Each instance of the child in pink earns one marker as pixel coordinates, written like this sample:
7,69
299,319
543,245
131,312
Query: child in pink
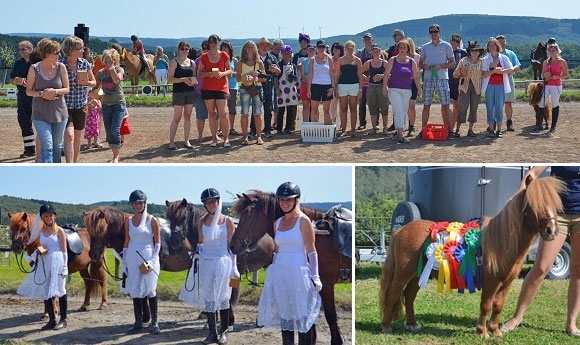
93,121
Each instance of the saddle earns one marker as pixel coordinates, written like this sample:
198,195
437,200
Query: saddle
73,241
342,229
165,230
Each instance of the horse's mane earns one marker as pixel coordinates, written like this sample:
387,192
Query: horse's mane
535,92
97,220
265,201
312,213
500,238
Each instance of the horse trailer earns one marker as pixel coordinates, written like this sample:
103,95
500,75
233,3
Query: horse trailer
462,193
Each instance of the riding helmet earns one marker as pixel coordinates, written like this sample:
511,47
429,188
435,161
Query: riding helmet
133,38
47,208
209,193
288,190
137,195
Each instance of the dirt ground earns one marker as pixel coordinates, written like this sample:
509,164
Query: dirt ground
20,321
148,143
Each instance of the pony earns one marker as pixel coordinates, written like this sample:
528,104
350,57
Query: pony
537,57
257,212
506,238
184,218
93,274
535,94
135,68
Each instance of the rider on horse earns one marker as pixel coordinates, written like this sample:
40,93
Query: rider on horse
139,49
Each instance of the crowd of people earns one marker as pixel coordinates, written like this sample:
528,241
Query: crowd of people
287,307
271,80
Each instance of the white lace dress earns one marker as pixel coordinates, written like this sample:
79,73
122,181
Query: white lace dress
46,282
140,285
289,300
209,287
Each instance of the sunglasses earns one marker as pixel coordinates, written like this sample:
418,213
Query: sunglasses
433,32
454,40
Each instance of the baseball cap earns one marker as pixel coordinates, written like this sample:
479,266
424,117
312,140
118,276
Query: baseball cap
368,34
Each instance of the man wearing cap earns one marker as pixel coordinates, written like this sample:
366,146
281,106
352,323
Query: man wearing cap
271,66
364,54
436,58
459,53
509,97
276,46
300,59
398,35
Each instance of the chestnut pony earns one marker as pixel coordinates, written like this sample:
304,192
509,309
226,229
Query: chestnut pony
506,238
257,212
134,67
93,274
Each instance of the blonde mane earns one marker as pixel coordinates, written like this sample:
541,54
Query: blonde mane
500,236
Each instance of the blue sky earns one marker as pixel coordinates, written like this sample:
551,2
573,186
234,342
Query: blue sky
247,19
89,184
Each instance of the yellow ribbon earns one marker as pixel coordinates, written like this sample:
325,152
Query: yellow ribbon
444,277
454,229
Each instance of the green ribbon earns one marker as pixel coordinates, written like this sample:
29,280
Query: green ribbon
473,241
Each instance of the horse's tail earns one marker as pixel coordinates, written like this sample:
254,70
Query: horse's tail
387,276
96,278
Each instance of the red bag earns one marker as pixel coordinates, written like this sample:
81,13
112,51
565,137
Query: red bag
125,128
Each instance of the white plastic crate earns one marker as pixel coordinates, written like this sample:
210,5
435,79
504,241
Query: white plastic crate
317,132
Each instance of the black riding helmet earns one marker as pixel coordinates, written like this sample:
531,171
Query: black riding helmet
288,190
209,193
47,208
137,195
134,38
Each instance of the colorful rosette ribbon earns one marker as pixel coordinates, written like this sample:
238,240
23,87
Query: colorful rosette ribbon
456,281
432,264
473,257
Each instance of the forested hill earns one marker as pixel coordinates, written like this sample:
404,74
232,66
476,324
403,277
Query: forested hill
518,30
73,213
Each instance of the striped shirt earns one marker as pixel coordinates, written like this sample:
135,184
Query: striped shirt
78,95
474,75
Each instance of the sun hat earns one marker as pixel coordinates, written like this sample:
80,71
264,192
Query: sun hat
264,40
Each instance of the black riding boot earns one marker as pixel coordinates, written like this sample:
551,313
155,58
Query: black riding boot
539,118
153,307
287,337
224,320
51,317
555,114
138,311
212,337
308,338
62,303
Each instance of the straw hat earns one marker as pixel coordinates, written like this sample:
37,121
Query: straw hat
264,40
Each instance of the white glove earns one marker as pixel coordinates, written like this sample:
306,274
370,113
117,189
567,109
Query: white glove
313,266
199,248
64,269
234,272
124,260
156,250
31,259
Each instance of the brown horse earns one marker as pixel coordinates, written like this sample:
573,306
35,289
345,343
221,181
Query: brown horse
537,57
506,239
535,93
135,68
257,212
93,274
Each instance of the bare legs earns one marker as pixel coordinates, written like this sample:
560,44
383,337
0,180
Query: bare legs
215,106
178,112
72,143
574,285
547,252
346,103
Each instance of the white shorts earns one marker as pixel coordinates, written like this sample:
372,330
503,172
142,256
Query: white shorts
348,90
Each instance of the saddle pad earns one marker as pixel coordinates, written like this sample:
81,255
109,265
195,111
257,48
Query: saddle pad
73,240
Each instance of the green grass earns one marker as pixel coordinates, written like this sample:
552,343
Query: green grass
451,318
168,286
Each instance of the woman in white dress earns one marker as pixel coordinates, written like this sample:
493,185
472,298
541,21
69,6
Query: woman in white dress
142,245
216,267
48,280
290,300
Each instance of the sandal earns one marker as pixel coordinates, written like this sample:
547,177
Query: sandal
403,140
259,141
172,148
213,144
233,132
470,133
504,329
245,142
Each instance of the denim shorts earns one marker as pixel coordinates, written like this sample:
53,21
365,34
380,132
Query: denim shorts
255,102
